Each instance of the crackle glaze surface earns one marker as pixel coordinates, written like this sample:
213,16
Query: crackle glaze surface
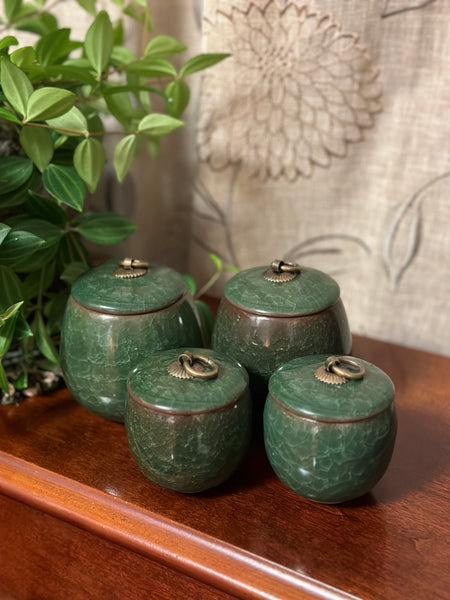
310,291
153,385
264,343
99,351
325,442
100,290
295,387
188,435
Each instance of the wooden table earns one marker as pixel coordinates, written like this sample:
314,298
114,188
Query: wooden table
78,520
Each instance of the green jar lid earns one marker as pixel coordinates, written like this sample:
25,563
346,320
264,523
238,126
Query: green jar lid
152,385
296,387
309,291
154,288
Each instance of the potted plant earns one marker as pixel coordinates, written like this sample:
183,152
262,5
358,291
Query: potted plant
54,95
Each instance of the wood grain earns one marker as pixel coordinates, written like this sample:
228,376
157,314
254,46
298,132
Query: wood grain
251,537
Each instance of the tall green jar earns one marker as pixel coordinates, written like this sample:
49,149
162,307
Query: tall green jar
188,418
270,315
119,313
329,426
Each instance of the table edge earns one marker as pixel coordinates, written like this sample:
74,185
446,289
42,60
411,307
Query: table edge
181,548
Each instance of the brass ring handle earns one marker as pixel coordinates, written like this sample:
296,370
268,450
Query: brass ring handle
333,363
281,271
205,361
183,367
130,268
280,266
133,263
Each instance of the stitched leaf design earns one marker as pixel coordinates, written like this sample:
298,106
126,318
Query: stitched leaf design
403,238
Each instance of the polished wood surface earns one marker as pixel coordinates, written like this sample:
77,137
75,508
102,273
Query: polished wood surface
76,509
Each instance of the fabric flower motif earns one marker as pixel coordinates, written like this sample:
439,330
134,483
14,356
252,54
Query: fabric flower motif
294,93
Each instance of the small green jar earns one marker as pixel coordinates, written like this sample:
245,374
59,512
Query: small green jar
188,418
270,315
329,426
117,314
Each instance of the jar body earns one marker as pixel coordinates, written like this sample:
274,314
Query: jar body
262,343
98,350
328,462
188,452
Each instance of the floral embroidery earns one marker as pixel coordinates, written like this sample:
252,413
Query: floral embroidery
296,91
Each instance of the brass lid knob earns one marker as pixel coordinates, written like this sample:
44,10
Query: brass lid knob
281,271
130,268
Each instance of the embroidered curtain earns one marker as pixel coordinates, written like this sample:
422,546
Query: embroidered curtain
324,139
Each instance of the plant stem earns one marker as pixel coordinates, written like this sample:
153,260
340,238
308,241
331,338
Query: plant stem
80,133
208,285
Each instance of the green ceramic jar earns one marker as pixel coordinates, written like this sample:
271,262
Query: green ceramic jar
269,316
329,426
115,317
188,418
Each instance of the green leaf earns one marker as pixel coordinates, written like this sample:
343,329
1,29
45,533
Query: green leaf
39,24
8,41
201,62
152,67
177,97
4,385
158,124
64,184
23,57
121,55
162,46
190,282
55,309
4,229
37,260
144,17
104,228
119,105
217,262
123,155
99,42
88,5
44,208
71,249
20,194
15,85
38,281
153,146
206,321
43,340
72,123
73,271
17,246
12,8
7,334
37,144
89,159
14,172
11,311
48,103
10,285
21,382
11,288
9,116
54,47
76,73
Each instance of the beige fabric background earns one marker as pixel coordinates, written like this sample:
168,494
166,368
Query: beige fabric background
325,140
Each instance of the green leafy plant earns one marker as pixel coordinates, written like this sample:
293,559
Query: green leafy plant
204,310
54,96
